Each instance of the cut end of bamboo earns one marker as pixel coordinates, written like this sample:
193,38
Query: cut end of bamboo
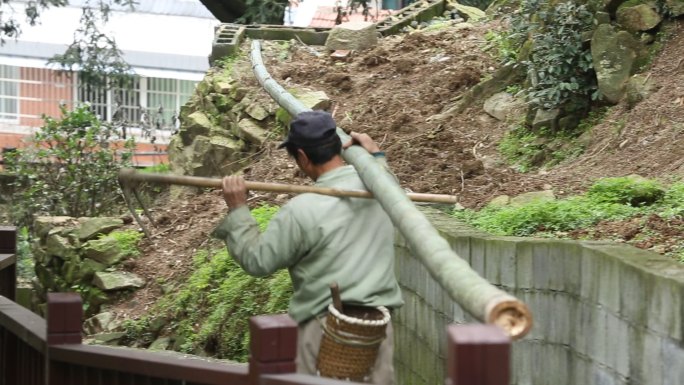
513,316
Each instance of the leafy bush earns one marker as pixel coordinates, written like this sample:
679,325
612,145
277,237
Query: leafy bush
71,168
211,311
635,191
547,39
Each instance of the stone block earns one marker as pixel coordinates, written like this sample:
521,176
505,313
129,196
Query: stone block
227,39
354,36
105,250
92,227
58,246
117,280
252,132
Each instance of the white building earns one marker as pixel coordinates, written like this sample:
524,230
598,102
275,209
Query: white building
167,42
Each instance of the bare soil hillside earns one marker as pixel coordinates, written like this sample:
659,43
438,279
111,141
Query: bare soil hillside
391,93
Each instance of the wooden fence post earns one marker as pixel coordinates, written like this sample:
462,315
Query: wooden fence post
64,323
8,274
273,345
478,354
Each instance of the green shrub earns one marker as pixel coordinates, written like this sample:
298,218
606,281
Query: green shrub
70,169
635,191
546,38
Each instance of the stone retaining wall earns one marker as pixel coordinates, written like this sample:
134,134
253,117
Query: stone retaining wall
604,313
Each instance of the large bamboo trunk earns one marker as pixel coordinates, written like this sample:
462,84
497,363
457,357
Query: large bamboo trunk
472,292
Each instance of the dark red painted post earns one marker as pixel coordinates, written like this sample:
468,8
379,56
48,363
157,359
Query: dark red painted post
478,355
64,320
8,267
273,345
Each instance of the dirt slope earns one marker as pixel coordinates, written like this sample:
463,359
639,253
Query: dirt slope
391,92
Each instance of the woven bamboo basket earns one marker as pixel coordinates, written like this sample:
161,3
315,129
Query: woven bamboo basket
351,341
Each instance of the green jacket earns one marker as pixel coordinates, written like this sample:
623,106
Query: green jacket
321,239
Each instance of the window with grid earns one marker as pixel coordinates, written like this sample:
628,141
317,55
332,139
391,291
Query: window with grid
9,93
118,104
165,97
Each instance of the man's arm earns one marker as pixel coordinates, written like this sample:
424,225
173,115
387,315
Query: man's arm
259,254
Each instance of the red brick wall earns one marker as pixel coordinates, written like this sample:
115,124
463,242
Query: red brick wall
41,91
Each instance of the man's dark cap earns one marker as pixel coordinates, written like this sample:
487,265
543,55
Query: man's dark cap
311,129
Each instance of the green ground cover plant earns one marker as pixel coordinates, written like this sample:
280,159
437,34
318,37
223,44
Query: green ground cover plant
127,241
607,199
209,314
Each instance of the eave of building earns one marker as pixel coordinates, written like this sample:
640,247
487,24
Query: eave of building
158,45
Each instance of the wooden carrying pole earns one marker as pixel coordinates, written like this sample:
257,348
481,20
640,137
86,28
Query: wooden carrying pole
130,175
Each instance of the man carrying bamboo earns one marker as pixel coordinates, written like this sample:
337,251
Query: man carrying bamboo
320,239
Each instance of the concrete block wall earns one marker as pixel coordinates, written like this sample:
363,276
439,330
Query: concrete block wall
605,314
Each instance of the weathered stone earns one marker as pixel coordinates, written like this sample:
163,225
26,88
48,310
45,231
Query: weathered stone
158,323
532,197
105,250
251,132
223,84
161,343
88,268
223,103
602,17
39,254
96,226
197,124
71,269
613,60
501,200
59,246
117,280
641,17
109,338
355,35
568,122
676,7
257,111
98,323
46,276
500,105
42,225
546,119
238,93
471,14
639,87
209,155
315,100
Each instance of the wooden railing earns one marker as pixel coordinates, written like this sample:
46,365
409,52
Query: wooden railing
35,351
